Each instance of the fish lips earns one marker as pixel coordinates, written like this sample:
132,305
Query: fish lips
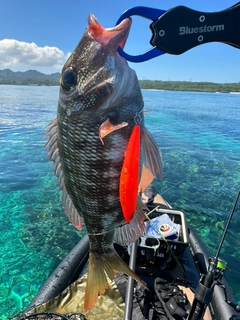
112,38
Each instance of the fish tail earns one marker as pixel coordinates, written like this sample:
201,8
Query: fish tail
98,269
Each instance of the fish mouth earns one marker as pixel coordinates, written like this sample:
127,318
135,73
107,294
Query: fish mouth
123,29
112,38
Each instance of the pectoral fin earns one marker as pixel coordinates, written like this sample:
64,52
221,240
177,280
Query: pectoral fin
107,127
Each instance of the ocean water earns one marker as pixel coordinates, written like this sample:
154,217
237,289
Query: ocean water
198,134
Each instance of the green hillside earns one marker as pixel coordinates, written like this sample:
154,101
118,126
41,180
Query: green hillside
33,77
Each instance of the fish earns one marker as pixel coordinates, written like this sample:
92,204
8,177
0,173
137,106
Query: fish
99,144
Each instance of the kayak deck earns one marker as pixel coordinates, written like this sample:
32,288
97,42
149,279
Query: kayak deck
182,271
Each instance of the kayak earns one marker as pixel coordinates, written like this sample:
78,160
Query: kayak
170,258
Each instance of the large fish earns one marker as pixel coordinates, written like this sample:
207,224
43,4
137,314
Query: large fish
98,144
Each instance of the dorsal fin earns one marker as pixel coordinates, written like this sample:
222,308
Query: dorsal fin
53,154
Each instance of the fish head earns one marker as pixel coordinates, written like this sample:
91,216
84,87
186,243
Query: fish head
95,77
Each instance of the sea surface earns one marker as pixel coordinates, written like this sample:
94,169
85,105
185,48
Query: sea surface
198,134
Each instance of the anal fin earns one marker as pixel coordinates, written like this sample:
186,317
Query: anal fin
130,232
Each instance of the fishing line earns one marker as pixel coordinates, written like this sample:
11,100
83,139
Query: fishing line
192,174
227,222
158,231
214,155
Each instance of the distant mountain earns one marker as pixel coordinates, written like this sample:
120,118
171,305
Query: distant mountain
30,77
33,77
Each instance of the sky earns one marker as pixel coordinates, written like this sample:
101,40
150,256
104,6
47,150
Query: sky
40,35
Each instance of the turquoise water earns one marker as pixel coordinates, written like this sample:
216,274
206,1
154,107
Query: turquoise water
198,134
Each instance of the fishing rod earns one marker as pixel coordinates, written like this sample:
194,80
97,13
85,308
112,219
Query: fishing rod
216,268
130,284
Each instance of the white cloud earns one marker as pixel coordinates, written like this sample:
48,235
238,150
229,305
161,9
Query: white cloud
16,53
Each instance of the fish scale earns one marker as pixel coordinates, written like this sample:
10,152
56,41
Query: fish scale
83,160
100,102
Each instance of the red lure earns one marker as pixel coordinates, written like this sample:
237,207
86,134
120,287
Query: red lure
130,175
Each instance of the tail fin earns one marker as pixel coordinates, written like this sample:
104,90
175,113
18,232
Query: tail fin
98,268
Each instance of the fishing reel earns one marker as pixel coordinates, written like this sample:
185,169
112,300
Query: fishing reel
217,266
218,274
204,291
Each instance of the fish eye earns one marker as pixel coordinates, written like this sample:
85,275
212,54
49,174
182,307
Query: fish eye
68,79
